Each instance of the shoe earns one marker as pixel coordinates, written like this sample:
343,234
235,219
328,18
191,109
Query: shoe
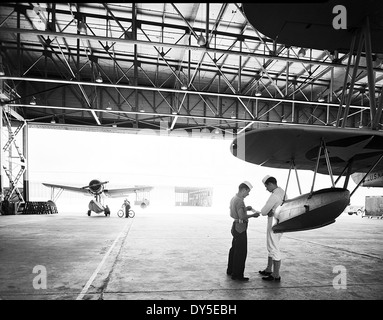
240,278
271,278
265,273
229,273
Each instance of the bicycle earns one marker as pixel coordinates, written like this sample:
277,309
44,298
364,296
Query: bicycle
121,212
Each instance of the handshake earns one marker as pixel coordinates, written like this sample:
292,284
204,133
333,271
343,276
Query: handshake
255,212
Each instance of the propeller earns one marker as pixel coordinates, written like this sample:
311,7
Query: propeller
95,186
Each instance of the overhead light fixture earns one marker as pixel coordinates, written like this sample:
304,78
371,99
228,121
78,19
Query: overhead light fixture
33,101
108,108
233,115
184,86
258,93
81,27
142,110
321,98
301,53
99,78
201,40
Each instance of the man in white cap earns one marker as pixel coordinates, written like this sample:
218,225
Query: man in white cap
276,198
238,250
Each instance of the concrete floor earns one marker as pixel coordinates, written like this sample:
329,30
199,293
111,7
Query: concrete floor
182,256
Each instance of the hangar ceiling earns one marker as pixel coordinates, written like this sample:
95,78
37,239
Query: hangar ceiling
166,65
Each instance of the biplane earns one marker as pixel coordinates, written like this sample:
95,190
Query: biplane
334,150
96,188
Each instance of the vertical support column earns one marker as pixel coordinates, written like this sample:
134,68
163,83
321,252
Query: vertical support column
353,77
256,108
134,29
219,99
188,80
207,25
330,96
344,90
370,71
18,51
26,172
287,73
1,147
293,103
239,89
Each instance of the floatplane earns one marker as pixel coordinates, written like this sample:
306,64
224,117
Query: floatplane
333,149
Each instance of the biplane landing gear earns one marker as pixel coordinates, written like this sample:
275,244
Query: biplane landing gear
89,213
107,211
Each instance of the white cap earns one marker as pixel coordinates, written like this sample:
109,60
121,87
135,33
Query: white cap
265,178
248,184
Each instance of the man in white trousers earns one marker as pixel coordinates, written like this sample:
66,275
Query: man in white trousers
276,198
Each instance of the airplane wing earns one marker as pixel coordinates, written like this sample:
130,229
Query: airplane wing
115,193
276,146
311,24
68,188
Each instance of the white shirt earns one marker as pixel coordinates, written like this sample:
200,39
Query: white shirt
275,200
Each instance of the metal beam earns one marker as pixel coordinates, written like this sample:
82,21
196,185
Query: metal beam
214,94
172,45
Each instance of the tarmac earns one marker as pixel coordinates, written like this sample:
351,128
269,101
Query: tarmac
182,255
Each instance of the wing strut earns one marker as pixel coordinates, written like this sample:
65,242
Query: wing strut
292,165
55,197
316,168
349,170
325,151
348,167
328,162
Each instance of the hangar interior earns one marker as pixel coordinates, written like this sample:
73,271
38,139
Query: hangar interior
163,66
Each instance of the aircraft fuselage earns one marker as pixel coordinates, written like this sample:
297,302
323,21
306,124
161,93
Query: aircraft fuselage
373,179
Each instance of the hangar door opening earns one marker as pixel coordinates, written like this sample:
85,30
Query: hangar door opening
194,197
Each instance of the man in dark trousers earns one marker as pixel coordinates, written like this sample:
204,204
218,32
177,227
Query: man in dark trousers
238,250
